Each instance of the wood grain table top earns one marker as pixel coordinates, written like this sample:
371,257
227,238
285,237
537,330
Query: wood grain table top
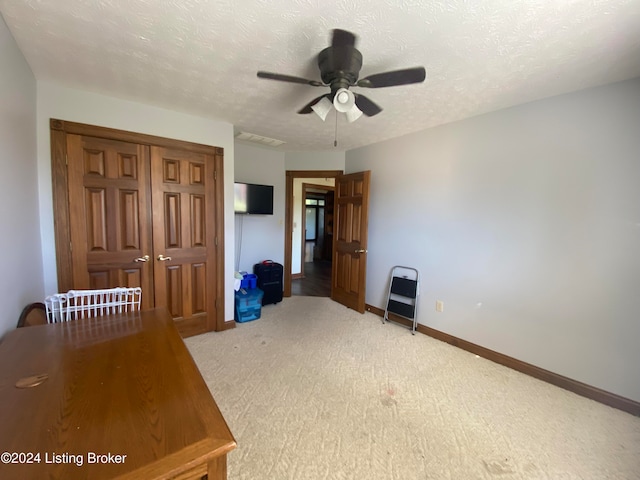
120,397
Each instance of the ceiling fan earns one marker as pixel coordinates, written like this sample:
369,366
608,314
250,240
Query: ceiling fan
339,66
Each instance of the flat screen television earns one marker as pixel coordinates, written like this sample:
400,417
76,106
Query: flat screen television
253,199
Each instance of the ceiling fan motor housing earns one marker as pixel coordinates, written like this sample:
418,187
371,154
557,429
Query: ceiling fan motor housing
339,66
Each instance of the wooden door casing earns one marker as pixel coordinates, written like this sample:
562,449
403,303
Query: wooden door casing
108,203
349,267
109,207
183,200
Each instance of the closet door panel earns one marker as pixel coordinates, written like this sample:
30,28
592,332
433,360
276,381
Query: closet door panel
183,190
109,205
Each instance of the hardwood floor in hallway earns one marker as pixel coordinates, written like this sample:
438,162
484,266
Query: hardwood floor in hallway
316,282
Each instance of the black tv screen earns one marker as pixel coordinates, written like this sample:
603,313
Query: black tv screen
253,199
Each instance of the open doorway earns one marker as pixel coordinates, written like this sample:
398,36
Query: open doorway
316,240
309,232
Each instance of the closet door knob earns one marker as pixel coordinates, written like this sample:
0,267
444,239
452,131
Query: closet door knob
142,259
362,250
162,258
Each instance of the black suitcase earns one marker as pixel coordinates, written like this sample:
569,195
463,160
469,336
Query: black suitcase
269,281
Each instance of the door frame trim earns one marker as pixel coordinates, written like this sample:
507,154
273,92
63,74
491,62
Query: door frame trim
288,229
60,182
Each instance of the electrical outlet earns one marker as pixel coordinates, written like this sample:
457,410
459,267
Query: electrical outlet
439,306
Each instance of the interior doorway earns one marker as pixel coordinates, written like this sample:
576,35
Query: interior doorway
302,243
316,240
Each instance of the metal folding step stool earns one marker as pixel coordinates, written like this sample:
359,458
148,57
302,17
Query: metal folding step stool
402,299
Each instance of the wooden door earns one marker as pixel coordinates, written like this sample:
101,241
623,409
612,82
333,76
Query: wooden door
184,236
109,215
105,226
349,267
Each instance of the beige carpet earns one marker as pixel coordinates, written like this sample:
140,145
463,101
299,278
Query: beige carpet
313,390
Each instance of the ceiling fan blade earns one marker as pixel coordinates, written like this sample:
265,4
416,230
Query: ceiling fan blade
391,79
342,38
342,50
307,107
366,106
290,79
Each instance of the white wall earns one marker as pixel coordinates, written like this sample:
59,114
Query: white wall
329,160
260,237
526,223
21,279
73,105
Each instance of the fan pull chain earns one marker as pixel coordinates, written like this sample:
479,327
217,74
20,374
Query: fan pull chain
335,137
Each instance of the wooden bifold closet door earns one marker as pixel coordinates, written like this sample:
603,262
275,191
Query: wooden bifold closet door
134,210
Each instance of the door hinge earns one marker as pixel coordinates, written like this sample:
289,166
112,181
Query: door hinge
66,159
70,247
215,175
216,241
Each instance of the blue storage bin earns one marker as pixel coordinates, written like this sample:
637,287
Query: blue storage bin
249,281
251,313
248,304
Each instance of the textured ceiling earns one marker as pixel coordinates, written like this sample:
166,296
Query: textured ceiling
201,57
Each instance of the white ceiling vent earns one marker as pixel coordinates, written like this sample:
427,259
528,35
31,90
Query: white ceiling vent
251,137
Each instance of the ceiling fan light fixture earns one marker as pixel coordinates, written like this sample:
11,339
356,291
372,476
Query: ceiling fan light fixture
353,114
322,108
344,100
